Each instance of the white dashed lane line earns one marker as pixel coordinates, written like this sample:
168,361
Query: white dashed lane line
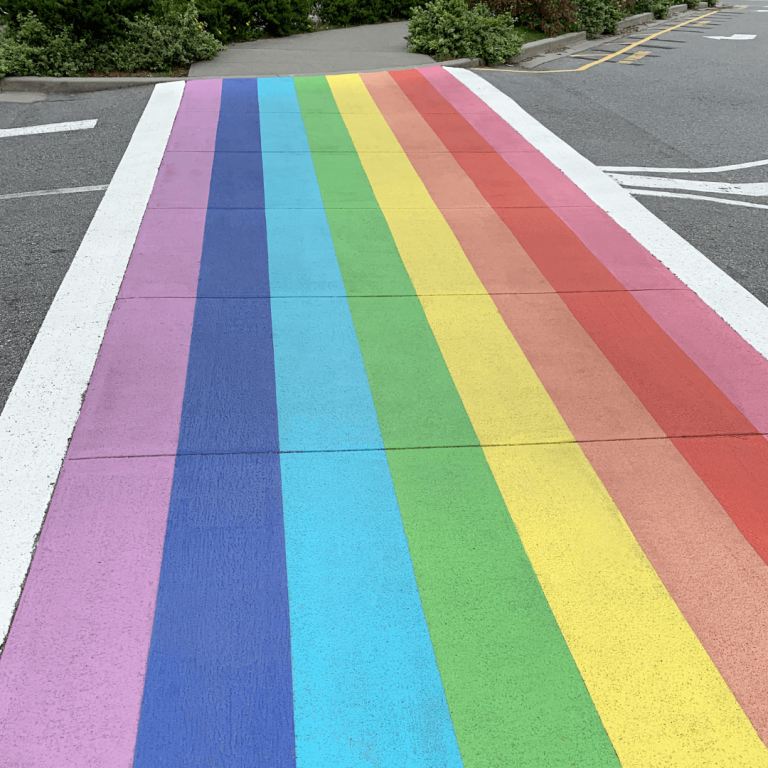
63,191
30,130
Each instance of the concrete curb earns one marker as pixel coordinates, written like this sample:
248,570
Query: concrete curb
675,9
549,44
462,63
76,84
634,21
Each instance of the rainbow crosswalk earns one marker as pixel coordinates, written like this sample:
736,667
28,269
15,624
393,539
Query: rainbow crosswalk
398,451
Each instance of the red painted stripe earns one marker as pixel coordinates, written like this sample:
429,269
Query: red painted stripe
680,397
718,581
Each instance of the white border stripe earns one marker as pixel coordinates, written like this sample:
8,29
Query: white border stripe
32,130
735,304
40,414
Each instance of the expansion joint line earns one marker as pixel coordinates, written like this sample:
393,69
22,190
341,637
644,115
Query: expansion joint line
605,58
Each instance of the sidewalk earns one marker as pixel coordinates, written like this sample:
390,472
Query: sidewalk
356,49
398,450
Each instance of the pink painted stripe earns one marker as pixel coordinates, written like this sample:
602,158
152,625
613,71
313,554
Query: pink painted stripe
731,363
72,673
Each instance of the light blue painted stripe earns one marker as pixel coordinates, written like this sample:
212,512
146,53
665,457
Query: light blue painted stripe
367,691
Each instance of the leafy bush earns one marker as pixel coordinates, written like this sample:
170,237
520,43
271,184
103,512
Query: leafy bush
346,13
659,8
599,17
448,29
99,19
552,17
33,48
243,19
226,19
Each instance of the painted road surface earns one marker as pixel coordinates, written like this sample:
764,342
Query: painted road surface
398,450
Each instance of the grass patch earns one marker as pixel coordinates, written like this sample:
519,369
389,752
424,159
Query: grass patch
529,35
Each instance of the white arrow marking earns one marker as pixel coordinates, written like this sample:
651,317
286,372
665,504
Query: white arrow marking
754,189
718,169
654,193
79,125
732,37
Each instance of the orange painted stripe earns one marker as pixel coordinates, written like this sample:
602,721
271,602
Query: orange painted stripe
712,573
679,396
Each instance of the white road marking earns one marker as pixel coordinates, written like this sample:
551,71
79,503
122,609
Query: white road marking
732,37
655,193
63,191
734,303
79,125
39,416
752,189
718,169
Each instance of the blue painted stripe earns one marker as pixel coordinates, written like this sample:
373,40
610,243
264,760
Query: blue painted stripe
366,686
219,688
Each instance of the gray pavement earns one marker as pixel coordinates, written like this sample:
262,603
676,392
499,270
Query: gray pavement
39,236
336,51
692,102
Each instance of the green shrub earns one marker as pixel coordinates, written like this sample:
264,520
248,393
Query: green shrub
33,49
244,19
599,17
347,13
450,29
177,39
659,8
98,19
552,17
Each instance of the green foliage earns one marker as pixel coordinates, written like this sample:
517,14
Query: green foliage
347,13
33,49
244,19
98,19
659,8
143,44
450,29
599,17
552,17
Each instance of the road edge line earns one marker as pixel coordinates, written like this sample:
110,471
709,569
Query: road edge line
40,414
742,311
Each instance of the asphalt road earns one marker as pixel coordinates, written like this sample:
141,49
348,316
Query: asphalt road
39,236
692,102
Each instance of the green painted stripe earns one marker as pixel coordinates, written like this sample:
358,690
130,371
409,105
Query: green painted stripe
514,692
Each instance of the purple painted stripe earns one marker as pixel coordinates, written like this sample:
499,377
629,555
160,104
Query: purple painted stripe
731,363
166,258
72,673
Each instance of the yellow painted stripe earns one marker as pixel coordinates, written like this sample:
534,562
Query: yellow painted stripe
661,698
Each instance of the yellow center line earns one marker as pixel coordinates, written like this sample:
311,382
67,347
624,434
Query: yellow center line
605,58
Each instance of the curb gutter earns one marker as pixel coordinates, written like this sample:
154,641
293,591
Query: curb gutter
75,85
560,43
548,45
